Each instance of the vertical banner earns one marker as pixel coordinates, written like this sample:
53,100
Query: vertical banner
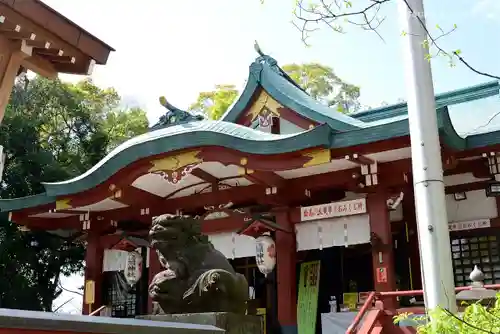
307,306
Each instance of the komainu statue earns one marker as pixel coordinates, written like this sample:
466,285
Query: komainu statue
196,277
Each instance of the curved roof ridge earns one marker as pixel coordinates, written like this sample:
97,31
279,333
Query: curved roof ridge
266,73
457,96
191,135
305,105
245,139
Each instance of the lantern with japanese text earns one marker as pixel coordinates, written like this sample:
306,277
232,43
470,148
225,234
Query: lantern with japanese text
133,268
265,256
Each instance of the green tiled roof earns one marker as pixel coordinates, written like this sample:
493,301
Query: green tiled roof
336,131
187,135
266,73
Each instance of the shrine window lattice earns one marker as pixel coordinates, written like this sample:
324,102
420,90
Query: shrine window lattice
123,300
481,251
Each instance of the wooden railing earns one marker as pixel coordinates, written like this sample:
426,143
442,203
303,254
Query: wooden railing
368,303
380,316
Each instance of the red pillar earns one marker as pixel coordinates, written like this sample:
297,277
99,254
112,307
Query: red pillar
382,252
94,254
285,275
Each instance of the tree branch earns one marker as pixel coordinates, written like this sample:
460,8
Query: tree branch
366,18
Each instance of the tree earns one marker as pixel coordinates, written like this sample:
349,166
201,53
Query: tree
52,131
215,103
317,80
324,85
476,318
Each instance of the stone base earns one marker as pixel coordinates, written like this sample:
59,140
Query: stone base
232,323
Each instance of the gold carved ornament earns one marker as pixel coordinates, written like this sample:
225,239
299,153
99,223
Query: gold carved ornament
176,168
264,106
317,157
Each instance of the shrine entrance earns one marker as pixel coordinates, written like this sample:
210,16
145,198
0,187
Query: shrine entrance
345,273
126,300
262,290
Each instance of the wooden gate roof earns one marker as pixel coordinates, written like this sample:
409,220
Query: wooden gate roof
57,42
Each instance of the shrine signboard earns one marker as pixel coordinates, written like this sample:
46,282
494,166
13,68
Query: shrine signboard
333,210
469,225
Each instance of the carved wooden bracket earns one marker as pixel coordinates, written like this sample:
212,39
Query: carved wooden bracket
493,163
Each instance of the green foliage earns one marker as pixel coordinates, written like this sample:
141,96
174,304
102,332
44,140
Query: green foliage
324,85
317,80
476,318
215,103
52,131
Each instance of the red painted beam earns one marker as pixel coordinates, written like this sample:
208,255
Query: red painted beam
391,174
294,188
269,179
205,176
130,195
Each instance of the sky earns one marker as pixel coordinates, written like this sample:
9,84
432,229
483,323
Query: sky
180,48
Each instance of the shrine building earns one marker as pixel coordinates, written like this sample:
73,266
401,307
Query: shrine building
325,186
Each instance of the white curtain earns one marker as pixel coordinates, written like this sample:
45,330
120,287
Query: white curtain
115,260
343,231
233,245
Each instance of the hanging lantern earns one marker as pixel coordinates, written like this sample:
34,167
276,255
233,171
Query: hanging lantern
133,268
265,256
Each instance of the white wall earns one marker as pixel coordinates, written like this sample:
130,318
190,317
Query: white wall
233,245
287,127
476,206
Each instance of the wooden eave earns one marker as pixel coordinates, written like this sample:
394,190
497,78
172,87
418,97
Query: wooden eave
298,190
57,42
231,144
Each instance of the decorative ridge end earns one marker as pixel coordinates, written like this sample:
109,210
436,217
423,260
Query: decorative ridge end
174,115
164,102
258,49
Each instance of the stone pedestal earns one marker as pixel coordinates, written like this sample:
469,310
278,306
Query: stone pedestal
230,322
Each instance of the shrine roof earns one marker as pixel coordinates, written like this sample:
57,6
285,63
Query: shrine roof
190,135
265,74
333,131
458,96
240,138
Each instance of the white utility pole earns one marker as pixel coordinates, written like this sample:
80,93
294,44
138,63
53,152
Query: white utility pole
430,201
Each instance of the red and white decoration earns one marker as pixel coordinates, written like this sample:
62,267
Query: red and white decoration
265,255
265,121
333,210
176,176
333,232
133,268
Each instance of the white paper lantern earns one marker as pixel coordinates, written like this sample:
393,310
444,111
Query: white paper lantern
265,255
133,268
